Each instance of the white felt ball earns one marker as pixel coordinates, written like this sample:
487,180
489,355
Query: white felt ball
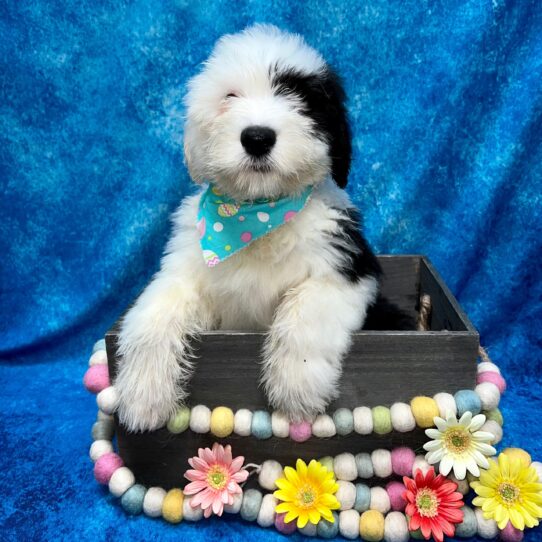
266,515
270,472
382,463
242,422
420,463
309,530
344,467
200,419
280,425
487,528
346,494
396,528
363,420
98,358
462,485
102,416
236,505
487,366
99,448
152,503
349,524
380,500
323,426
538,468
121,480
493,427
108,400
489,395
190,513
402,418
445,403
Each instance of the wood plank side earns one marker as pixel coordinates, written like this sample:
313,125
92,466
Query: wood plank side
160,458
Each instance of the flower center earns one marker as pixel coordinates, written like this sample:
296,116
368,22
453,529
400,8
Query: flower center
427,503
306,496
457,440
509,493
217,478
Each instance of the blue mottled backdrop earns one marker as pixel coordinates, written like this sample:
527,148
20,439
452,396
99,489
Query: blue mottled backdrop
446,106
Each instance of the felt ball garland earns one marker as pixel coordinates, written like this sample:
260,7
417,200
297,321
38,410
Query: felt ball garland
370,513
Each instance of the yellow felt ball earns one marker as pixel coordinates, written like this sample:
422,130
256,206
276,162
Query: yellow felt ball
222,422
371,526
424,410
518,453
172,507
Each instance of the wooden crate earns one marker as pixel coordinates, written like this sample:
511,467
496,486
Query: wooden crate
381,368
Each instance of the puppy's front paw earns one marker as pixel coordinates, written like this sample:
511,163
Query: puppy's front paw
301,388
147,397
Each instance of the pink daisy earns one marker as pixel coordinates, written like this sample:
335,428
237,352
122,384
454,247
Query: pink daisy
214,478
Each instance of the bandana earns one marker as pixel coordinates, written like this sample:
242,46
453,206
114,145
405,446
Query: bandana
226,226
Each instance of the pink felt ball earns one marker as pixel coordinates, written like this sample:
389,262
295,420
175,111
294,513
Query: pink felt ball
494,378
105,466
282,527
511,534
395,493
96,378
402,460
300,432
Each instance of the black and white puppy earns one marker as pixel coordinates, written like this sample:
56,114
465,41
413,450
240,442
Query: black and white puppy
308,284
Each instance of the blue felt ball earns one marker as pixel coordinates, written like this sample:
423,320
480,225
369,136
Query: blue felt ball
261,424
327,529
98,345
132,499
363,498
467,400
344,421
469,526
251,504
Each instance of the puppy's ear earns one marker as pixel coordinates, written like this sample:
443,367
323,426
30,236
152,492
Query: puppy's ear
340,143
192,152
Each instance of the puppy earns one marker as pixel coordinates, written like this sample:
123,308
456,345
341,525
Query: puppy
266,126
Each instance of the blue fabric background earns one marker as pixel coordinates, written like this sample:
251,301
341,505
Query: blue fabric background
445,104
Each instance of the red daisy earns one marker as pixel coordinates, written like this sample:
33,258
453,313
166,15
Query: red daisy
432,504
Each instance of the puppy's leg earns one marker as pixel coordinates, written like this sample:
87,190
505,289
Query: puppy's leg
153,347
310,334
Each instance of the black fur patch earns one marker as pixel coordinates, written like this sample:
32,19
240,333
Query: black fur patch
323,98
359,260
386,316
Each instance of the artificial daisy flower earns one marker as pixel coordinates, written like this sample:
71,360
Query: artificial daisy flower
459,444
214,478
307,493
509,491
433,504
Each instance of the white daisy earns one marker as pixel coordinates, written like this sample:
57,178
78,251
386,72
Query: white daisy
459,444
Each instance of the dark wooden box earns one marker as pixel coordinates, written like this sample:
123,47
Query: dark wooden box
381,368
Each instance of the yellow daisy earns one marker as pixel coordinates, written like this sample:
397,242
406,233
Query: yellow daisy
509,491
307,493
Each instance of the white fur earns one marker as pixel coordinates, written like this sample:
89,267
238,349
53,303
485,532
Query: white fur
285,283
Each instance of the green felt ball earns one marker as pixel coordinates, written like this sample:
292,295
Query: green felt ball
344,421
180,421
381,420
495,415
469,526
103,430
132,499
252,501
326,529
327,462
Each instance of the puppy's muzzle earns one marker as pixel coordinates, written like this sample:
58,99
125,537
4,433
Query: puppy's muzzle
258,140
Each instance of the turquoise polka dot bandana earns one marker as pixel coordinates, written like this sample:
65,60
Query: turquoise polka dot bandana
226,226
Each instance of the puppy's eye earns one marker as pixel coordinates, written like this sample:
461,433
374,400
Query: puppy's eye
231,95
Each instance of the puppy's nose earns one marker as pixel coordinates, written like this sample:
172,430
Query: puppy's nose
258,140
